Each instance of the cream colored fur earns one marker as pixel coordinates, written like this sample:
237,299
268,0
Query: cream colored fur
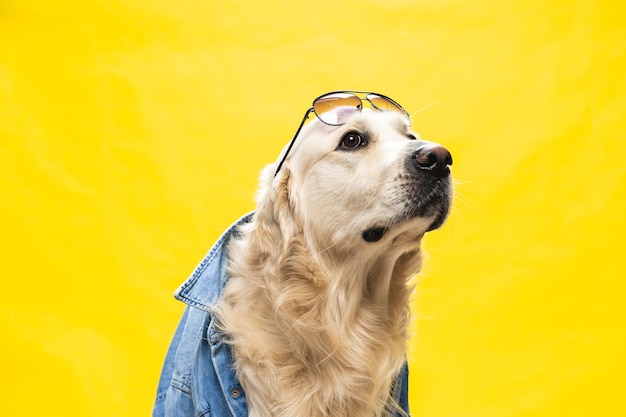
316,316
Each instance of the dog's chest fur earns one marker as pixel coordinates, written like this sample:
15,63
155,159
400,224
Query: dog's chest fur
312,340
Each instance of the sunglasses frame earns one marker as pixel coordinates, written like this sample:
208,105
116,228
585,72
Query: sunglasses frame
359,107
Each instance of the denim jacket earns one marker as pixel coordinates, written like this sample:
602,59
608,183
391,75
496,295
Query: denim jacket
198,378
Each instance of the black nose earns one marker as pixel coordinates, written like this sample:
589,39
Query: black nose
435,159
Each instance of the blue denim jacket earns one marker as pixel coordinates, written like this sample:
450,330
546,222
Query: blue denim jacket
198,378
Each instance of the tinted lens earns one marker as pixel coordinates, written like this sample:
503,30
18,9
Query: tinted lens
335,108
385,103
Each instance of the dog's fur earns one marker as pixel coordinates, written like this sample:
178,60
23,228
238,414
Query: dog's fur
316,315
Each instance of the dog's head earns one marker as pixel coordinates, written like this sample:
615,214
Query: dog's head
370,181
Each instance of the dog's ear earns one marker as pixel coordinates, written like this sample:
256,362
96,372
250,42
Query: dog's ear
276,219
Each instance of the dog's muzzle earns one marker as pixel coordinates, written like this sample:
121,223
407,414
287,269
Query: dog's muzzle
433,162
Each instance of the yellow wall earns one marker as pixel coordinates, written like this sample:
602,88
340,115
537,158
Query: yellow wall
132,132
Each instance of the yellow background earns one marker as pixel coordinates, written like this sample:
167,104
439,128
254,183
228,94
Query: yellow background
132,132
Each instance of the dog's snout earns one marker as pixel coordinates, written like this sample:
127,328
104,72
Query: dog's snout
435,159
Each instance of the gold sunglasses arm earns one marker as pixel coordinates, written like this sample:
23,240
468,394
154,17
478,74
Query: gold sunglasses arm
280,164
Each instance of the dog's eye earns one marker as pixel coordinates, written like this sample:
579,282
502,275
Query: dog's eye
351,140
411,136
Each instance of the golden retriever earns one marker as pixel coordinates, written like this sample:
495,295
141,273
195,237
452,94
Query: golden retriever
317,304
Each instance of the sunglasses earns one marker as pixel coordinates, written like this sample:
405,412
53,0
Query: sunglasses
337,107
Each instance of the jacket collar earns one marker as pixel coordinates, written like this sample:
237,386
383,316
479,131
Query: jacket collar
206,284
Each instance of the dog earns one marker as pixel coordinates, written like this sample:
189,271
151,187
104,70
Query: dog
316,308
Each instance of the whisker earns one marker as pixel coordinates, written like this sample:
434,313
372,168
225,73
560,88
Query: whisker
457,219
423,108
456,181
465,200
328,247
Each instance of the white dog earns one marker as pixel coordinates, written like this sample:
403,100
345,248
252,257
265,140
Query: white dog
316,305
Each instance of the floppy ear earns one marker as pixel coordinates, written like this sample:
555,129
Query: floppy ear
292,274
276,220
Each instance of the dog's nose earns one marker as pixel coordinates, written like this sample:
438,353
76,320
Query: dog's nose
435,159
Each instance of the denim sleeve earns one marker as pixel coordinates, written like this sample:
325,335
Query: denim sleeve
198,377
402,390
168,368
